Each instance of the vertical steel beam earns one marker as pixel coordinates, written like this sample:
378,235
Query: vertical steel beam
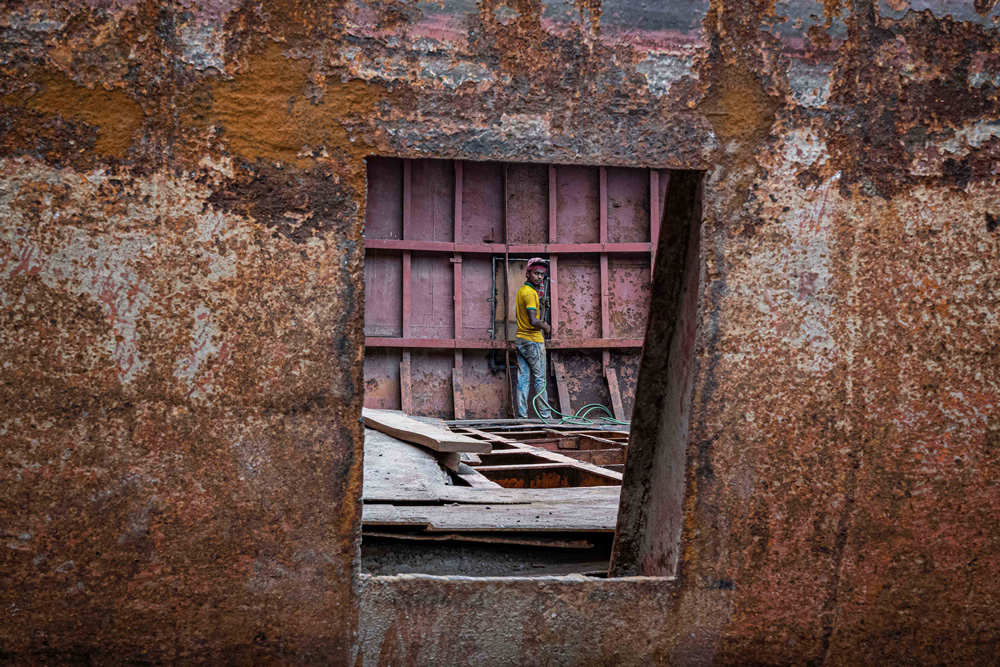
554,295
604,204
405,389
553,231
457,264
457,259
557,368
609,373
605,298
556,364
506,295
605,308
407,197
553,259
457,373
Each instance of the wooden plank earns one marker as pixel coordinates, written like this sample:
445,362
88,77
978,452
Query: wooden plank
410,430
616,396
493,495
561,386
533,517
551,457
562,459
393,467
454,460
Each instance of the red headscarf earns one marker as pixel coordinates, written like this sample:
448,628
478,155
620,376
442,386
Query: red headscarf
538,261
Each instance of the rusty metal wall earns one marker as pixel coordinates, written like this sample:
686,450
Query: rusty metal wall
183,190
433,236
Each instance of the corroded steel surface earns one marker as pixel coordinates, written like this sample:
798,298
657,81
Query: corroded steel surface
413,620
182,197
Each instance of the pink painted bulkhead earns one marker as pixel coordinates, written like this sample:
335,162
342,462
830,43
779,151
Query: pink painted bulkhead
439,235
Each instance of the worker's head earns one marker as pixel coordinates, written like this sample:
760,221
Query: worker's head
537,268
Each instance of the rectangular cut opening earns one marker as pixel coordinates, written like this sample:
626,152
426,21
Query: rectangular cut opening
446,249
446,245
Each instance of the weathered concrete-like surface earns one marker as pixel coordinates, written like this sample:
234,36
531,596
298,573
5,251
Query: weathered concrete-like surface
181,199
569,620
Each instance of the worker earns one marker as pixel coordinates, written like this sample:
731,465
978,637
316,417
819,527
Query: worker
531,342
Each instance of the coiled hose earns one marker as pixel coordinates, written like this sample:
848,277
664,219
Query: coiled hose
580,418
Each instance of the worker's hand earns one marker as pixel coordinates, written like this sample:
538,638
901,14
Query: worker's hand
546,328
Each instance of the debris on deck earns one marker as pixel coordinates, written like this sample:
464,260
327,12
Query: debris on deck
525,498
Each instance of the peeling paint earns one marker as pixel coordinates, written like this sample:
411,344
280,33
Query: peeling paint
182,190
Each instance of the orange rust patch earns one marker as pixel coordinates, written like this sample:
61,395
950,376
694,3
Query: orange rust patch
741,113
115,114
738,107
266,114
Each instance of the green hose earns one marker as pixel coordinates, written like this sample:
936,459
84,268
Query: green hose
580,418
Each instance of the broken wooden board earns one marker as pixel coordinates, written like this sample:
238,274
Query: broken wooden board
449,460
410,430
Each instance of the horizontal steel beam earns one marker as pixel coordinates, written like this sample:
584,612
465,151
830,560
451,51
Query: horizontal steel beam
487,344
500,248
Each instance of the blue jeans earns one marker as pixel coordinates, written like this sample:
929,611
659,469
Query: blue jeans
531,364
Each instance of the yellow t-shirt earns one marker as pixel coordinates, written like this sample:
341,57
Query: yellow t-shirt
527,298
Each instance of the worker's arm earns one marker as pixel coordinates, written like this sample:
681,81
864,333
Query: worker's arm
537,323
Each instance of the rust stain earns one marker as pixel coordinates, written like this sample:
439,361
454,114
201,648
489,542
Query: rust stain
116,116
180,271
267,114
